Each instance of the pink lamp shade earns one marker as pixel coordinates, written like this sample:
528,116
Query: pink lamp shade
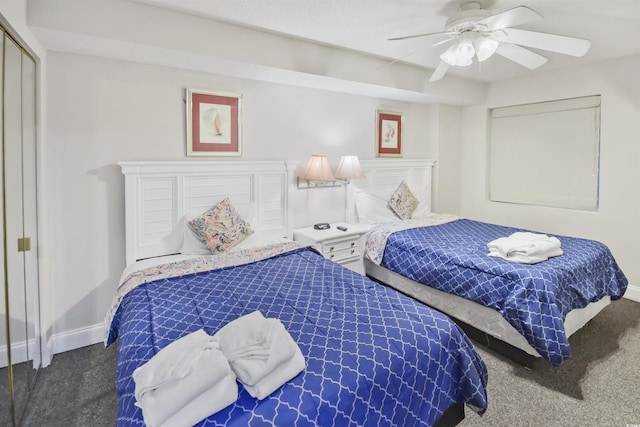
317,169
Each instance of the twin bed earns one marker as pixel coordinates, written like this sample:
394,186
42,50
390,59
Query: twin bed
373,355
525,311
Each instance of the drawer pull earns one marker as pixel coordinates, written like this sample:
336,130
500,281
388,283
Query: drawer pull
353,244
331,248
353,251
331,256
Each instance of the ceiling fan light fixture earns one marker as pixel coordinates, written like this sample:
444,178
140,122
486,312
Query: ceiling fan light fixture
485,47
460,54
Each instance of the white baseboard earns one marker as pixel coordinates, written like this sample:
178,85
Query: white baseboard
19,353
633,293
78,338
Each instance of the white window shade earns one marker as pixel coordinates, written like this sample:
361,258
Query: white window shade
546,153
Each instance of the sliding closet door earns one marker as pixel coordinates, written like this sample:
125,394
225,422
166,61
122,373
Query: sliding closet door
6,391
30,214
19,223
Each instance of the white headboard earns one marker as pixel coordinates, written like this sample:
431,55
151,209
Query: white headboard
159,194
384,175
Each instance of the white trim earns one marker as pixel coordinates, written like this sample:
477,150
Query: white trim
159,194
19,353
633,293
77,338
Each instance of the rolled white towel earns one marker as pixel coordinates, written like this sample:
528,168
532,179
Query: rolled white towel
178,374
218,397
281,349
278,377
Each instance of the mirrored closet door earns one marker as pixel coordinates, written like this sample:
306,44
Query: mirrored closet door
20,358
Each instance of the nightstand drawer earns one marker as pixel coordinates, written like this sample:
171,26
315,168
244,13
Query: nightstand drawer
342,254
343,247
334,246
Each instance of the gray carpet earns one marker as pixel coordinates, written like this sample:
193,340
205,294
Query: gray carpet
598,386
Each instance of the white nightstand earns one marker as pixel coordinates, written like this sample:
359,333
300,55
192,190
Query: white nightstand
344,247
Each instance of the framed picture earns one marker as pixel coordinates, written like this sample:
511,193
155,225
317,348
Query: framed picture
388,134
214,123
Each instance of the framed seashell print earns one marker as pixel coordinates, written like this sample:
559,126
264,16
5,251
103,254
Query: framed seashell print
214,123
388,134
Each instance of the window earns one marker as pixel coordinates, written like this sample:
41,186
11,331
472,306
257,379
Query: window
546,153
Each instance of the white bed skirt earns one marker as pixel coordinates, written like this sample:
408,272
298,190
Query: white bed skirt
480,317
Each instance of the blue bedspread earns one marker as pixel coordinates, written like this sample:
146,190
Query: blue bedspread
374,357
535,299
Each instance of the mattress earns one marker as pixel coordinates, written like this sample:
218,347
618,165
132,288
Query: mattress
534,299
373,356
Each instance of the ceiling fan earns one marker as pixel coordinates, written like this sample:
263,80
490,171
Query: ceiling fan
477,32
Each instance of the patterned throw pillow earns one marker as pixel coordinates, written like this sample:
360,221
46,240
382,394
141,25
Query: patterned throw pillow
403,202
220,227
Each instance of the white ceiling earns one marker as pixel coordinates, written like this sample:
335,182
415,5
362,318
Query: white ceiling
613,26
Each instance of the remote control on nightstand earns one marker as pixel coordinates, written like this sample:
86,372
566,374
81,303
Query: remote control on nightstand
341,228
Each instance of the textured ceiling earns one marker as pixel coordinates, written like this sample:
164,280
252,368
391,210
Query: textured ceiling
365,25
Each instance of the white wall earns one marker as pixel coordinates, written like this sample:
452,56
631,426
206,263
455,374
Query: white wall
616,221
102,111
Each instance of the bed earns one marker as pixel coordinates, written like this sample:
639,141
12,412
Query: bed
373,355
523,311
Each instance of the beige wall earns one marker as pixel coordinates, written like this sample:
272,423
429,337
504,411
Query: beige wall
102,111
615,223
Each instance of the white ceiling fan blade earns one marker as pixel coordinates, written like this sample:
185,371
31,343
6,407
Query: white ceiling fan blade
552,42
441,42
439,72
510,18
441,33
520,55
403,57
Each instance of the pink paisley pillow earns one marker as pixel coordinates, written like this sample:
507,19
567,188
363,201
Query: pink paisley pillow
220,227
403,202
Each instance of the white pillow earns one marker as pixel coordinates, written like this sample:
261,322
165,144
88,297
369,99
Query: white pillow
372,209
258,239
424,208
191,244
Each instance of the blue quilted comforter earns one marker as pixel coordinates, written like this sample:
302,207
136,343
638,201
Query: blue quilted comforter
535,299
374,357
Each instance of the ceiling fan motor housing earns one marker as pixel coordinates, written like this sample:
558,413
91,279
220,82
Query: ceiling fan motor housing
467,19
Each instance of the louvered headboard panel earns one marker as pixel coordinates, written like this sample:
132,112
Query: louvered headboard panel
384,175
159,194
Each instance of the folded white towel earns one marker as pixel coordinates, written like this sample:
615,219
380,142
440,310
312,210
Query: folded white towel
281,349
208,403
261,352
518,242
178,374
528,235
247,336
278,377
525,247
527,259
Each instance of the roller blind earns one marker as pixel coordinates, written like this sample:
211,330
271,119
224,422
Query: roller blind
546,153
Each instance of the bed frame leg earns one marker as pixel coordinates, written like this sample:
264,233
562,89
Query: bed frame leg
452,416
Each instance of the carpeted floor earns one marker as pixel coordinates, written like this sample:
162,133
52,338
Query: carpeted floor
598,386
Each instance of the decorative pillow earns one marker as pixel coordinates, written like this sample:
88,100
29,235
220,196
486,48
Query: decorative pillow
220,227
403,202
